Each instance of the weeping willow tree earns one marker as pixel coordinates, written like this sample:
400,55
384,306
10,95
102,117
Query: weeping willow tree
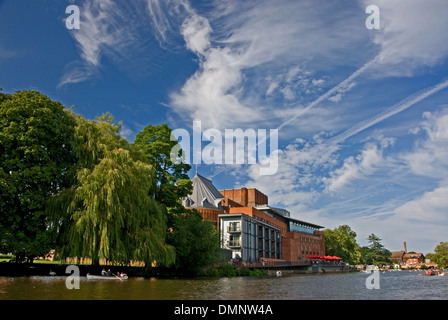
108,213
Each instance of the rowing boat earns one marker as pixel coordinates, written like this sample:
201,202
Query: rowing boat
94,277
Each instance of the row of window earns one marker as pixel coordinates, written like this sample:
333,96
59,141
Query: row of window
251,228
295,227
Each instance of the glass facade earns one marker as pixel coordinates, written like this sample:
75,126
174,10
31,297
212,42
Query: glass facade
301,228
250,239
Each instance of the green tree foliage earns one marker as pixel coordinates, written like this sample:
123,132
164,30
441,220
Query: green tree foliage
194,239
77,186
36,156
341,242
375,253
108,212
196,242
173,183
441,255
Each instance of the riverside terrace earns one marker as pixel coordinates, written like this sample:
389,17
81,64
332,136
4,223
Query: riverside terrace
315,264
252,231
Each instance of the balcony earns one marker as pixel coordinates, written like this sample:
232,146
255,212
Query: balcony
234,244
233,229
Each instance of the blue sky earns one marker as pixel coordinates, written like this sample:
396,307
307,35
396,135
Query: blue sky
362,114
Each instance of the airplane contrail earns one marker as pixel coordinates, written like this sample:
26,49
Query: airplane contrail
399,107
326,95
330,92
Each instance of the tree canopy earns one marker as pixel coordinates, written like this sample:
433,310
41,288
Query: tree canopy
341,242
36,155
375,253
440,255
173,182
196,242
77,186
194,239
108,213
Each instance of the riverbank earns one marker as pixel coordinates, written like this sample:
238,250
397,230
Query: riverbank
8,269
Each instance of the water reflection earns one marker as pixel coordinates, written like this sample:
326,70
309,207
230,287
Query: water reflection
393,285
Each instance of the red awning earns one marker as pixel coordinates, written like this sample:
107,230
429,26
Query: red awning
336,258
316,257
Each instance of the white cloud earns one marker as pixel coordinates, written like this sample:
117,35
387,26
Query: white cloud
251,50
358,167
116,30
292,84
196,31
295,184
94,36
429,157
412,34
430,207
421,215
391,111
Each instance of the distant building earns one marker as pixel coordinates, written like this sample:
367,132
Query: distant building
407,260
250,228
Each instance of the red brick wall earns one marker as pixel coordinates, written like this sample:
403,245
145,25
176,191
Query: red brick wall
252,212
293,242
229,203
246,197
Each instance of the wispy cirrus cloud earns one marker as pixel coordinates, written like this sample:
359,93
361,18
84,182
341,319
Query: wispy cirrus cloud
364,164
118,31
98,33
245,53
428,158
311,174
421,213
412,35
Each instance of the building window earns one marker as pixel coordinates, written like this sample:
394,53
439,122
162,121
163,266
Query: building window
234,241
234,227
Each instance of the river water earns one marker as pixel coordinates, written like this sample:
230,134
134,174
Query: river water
390,285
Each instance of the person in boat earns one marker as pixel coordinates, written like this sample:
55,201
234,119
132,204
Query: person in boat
104,273
109,273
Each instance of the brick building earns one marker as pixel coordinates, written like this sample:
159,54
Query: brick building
252,229
407,260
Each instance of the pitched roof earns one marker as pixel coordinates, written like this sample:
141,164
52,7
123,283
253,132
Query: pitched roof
397,254
413,255
204,194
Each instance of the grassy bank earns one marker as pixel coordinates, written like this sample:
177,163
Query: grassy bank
230,270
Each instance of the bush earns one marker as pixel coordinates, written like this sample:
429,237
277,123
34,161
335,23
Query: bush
244,272
212,272
258,272
228,270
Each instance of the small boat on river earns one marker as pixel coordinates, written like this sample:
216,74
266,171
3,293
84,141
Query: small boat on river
431,272
99,277
370,269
